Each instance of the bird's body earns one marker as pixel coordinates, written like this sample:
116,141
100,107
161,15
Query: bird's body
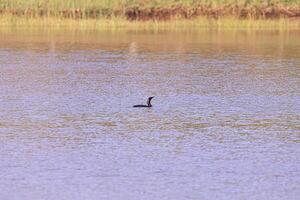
141,106
145,106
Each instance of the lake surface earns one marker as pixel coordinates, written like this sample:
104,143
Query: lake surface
225,121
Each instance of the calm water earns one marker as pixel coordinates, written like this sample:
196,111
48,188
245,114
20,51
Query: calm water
225,122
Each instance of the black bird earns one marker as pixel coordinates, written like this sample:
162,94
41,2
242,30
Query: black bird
148,103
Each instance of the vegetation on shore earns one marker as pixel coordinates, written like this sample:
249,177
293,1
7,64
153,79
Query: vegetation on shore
152,9
145,14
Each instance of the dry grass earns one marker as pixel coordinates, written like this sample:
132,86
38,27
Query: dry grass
151,9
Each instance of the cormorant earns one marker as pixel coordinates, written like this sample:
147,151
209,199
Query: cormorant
148,103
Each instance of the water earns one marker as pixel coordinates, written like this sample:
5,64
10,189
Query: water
225,121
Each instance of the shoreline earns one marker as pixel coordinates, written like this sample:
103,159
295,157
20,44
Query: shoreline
17,22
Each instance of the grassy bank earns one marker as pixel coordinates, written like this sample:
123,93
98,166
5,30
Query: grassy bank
151,14
152,9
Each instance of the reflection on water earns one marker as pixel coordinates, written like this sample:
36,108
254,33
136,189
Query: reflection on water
225,121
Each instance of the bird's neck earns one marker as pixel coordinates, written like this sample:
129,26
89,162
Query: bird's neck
149,103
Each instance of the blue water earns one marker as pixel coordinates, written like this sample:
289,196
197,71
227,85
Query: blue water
224,122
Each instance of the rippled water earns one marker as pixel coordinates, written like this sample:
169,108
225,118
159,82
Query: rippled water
225,121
